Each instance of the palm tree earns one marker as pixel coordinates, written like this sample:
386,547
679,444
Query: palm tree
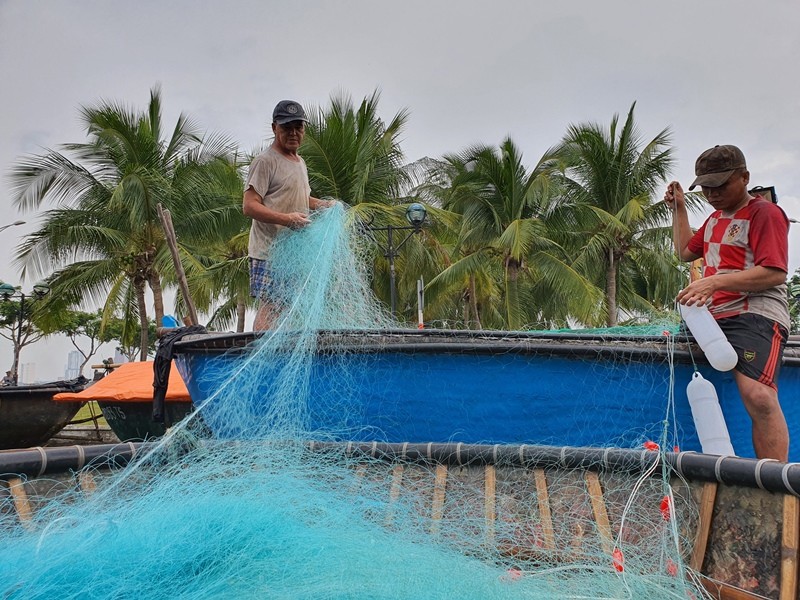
103,240
216,265
353,155
21,322
505,249
621,242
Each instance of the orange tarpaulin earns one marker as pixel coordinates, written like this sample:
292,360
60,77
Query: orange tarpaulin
131,382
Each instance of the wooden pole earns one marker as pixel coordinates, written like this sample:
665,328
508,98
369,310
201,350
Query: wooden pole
21,503
704,525
789,547
437,505
490,506
546,517
172,242
394,492
600,511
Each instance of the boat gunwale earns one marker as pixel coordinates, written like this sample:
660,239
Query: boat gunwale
473,342
766,474
51,387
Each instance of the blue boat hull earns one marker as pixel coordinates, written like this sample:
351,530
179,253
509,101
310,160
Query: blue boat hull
571,392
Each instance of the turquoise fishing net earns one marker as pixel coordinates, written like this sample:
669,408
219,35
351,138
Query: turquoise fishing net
250,512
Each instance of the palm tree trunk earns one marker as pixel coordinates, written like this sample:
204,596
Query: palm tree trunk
240,315
512,294
473,301
611,289
154,279
139,284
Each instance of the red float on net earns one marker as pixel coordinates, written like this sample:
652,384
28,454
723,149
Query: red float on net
652,446
672,568
513,574
666,508
619,560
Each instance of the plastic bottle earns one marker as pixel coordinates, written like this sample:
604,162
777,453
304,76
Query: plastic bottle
708,419
709,336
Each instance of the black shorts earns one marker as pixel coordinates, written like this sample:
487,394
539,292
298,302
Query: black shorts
759,342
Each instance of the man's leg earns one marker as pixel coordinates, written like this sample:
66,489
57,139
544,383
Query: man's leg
770,433
264,317
259,288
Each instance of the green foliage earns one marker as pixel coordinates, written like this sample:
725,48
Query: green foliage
129,336
621,237
580,236
102,239
23,322
79,326
215,260
794,301
352,154
506,267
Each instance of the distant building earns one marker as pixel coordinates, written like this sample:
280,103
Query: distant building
74,360
27,373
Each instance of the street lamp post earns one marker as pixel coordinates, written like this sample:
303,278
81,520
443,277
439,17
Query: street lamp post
8,292
415,215
769,193
12,225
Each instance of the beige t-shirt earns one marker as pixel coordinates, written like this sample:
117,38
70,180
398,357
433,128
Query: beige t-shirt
283,186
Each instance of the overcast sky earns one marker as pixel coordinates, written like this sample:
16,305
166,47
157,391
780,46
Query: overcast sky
713,71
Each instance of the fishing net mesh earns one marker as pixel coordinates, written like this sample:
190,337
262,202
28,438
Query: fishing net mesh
252,511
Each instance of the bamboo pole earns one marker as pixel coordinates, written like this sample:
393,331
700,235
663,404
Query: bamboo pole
791,514
17,489
490,509
358,479
86,482
394,492
704,525
600,512
543,496
437,505
172,242
723,591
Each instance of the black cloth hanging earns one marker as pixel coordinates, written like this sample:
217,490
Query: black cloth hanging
163,364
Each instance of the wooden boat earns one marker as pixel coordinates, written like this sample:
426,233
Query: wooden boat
28,415
126,398
572,389
742,542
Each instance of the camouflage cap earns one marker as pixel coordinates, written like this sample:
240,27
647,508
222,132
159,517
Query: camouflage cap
716,165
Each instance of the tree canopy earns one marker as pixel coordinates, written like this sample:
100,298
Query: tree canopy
579,237
101,240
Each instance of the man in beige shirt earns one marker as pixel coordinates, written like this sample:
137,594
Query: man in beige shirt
277,195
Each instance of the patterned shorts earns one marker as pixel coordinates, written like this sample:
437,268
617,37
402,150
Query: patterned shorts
260,278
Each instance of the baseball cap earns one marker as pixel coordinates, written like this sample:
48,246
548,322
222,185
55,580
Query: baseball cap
287,111
716,165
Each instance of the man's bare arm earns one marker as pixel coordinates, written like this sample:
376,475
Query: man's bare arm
681,230
253,208
755,279
316,203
